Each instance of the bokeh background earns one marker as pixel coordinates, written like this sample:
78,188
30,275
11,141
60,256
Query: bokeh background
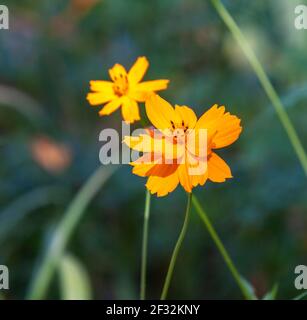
49,144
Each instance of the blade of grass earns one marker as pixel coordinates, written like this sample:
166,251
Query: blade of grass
264,80
290,100
243,285
272,294
74,279
62,233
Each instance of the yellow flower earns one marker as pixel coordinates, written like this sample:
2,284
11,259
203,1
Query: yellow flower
179,140
125,90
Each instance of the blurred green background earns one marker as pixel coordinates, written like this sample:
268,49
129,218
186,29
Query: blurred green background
49,144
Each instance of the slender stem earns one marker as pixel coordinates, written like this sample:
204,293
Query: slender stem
265,82
144,246
204,217
176,250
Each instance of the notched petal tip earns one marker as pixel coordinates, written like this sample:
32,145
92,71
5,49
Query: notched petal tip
102,113
132,120
158,193
117,65
142,58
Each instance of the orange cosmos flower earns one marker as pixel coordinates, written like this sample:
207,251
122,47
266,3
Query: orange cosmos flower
170,156
125,90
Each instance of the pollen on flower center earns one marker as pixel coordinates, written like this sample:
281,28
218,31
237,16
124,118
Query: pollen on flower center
179,130
121,84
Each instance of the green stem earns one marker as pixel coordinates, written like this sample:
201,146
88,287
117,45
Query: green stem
54,251
176,250
144,246
204,217
265,82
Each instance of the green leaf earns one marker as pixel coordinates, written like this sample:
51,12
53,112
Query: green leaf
249,289
63,232
74,280
271,295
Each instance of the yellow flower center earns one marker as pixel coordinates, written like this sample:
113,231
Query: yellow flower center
120,79
121,84
179,130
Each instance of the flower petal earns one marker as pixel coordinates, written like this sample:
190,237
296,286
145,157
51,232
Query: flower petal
199,179
97,98
224,128
142,169
160,147
142,143
143,164
130,110
117,71
139,96
142,89
137,71
162,185
162,170
197,170
110,107
210,118
187,115
228,131
160,113
218,170
184,177
101,86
